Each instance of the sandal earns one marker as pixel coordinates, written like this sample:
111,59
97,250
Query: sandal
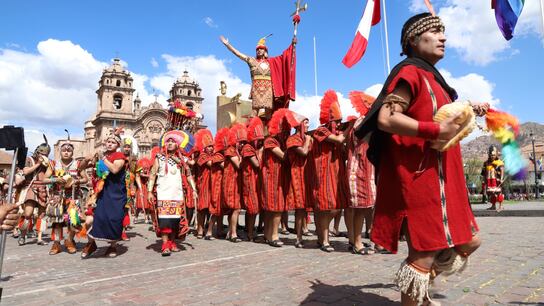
89,248
275,243
199,236
173,247
235,239
21,240
209,237
299,245
111,252
285,232
380,250
360,251
327,248
307,234
333,234
165,249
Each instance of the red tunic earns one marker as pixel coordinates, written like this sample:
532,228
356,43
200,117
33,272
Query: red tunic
217,177
273,197
360,172
204,182
412,176
251,181
296,194
232,182
141,195
328,172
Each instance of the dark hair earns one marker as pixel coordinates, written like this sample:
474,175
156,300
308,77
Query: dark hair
406,48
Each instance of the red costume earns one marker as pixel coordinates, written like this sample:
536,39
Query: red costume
232,179
143,167
204,141
251,179
412,183
220,144
296,192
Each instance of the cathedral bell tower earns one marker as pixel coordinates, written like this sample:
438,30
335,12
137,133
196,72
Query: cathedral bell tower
115,90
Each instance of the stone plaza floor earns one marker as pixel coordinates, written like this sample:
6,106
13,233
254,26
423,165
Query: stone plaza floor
507,270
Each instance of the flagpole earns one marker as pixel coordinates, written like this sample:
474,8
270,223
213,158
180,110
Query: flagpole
386,37
542,15
315,68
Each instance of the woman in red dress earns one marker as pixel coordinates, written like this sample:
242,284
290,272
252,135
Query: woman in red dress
329,188
232,181
273,175
421,192
204,143
298,147
251,169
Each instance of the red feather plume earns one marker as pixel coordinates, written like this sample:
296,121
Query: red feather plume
327,102
361,102
154,152
275,123
221,139
199,138
255,129
237,133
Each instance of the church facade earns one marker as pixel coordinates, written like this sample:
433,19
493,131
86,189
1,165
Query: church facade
117,107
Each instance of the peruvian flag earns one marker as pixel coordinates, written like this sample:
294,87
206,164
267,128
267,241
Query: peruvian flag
371,16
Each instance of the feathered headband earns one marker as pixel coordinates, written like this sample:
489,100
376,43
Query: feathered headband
278,122
255,129
294,119
43,148
361,102
203,139
67,143
221,140
237,133
330,108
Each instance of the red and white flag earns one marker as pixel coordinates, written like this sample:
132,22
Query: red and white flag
371,16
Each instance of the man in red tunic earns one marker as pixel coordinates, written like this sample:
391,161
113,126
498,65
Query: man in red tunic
232,179
273,175
204,143
360,174
218,163
329,188
298,147
251,169
421,192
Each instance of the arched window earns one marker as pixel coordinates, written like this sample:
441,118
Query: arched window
189,92
118,83
179,91
107,81
117,101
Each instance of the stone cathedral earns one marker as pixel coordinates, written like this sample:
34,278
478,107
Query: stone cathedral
117,106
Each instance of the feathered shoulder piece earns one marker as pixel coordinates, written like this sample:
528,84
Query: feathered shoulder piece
361,102
275,125
329,108
221,139
156,150
237,133
255,129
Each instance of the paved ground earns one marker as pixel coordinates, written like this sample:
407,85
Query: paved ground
507,270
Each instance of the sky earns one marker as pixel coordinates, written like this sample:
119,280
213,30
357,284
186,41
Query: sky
52,54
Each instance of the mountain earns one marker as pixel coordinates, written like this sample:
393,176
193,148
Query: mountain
477,148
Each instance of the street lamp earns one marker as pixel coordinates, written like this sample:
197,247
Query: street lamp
537,191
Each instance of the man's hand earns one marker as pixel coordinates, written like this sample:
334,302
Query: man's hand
480,109
8,216
150,197
224,40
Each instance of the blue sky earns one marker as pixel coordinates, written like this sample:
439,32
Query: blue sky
158,39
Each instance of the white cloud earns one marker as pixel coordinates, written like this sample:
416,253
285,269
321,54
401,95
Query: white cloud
55,86
471,29
209,21
154,63
473,87
208,71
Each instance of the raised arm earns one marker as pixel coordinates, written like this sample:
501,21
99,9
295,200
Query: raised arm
232,49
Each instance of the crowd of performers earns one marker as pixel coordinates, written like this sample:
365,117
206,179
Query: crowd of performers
417,192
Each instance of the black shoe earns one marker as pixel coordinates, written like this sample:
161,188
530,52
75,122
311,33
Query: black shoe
276,243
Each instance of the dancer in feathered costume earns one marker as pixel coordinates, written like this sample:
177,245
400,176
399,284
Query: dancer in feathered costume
204,144
66,177
273,174
218,208
32,191
167,174
251,174
129,148
298,147
360,174
142,176
493,177
329,190
232,178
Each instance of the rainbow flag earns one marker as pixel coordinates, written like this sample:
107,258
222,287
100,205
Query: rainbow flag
507,13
